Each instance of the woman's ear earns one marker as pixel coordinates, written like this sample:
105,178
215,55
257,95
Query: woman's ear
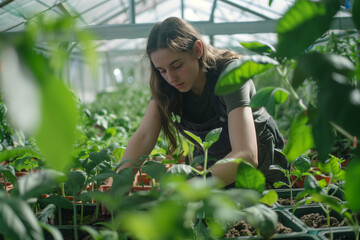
198,49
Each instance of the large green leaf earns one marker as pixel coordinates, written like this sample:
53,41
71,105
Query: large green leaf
322,66
239,71
257,47
300,138
352,193
18,222
302,24
269,97
338,101
57,133
249,177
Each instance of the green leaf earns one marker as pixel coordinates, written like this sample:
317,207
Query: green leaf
270,198
8,172
18,221
47,213
103,176
9,154
96,158
154,169
249,177
180,169
302,163
118,153
302,24
55,233
239,71
58,200
75,181
355,13
331,165
212,137
352,193
311,185
323,65
263,219
269,97
124,178
300,138
57,133
257,47
35,184
279,184
193,136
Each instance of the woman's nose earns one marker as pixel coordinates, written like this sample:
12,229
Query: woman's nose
171,77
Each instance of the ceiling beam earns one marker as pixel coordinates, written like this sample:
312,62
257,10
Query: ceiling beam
142,30
132,31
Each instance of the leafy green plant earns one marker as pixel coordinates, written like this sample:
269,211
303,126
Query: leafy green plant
334,76
299,167
17,207
328,201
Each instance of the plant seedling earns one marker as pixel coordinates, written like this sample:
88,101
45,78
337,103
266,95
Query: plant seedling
300,167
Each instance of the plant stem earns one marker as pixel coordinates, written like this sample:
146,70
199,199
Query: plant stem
290,186
62,189
141,180
291,89
75,219
205,164
327,211
82,213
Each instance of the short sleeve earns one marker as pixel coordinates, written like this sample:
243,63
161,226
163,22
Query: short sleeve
240,97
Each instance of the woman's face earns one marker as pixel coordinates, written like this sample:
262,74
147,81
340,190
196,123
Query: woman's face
180,70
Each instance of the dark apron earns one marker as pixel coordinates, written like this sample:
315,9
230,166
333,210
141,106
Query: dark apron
268,139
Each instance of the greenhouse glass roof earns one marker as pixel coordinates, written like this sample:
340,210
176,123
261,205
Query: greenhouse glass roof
117,21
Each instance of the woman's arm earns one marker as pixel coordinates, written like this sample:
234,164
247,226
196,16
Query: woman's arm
243,141
143,141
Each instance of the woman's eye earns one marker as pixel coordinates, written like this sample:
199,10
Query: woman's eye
178,66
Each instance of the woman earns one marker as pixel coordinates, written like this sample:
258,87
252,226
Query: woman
184,71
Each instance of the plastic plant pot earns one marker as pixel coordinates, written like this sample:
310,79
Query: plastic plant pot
140,188
298,236
285,219
145,179
347,234
305,210
285,193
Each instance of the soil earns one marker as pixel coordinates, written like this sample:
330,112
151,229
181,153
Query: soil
316,220
286,201
242,228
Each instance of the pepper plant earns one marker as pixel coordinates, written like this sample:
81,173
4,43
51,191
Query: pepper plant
299,168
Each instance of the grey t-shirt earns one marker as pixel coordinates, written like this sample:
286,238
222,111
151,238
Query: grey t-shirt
198,109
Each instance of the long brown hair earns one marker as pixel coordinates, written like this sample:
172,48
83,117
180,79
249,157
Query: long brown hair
179,36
